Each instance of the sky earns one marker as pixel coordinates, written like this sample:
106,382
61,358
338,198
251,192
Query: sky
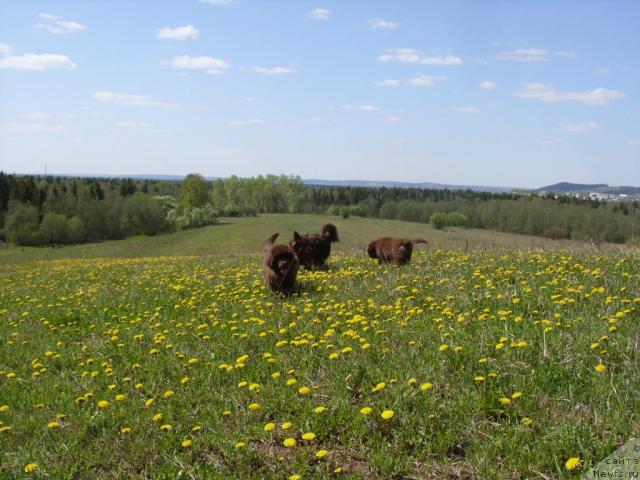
503,93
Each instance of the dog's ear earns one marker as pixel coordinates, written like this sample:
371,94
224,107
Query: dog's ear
296,236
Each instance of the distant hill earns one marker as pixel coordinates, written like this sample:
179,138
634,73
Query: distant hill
392,184
566,187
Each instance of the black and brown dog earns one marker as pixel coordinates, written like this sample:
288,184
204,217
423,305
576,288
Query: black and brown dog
314,249
280,266
393,250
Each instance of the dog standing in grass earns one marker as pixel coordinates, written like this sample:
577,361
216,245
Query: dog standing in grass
314,249
393,250
280,265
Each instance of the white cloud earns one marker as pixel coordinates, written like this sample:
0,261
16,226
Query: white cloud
382,24
211,65
134,124
552,141
425,80
132,100
248,121
413,56
633,142
578,127
524,55
273,70
186,32
546,93
319,14
35,115
391,119
5,49
389,82
40,62
31,128
219,3
467,109
361,108
488,85
58,25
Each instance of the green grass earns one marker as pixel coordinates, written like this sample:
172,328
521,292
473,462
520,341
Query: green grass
77,332
244,235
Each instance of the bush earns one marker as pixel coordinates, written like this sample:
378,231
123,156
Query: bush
193,218
439,220
54,229
76,230
143,215
345,212
22,226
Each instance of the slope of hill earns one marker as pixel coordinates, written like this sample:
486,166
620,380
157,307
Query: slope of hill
244,235
567,187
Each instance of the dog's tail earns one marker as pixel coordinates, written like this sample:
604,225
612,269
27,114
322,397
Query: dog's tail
268,243
418,240
330,232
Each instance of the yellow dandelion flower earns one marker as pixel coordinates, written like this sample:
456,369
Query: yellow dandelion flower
387,414
295,476
125,430
504,400
157,417
516,395
289,442
321,453
30,467
286,425
254,407
309,436
186,443
120,397
103,404
600,368
572,463
149,402
526,421
425,386
479,378
240,445
168,394
319,409
4,408
304,390
269,427
366,410
165,427
197,428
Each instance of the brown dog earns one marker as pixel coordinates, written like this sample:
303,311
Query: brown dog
280,265
393,250
313,249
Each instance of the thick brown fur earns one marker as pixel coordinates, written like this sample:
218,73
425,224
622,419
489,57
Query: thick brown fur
393,250
314,249
280,266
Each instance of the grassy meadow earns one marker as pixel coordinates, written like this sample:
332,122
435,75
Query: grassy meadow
519,358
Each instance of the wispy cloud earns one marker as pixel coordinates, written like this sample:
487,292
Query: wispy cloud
319,14
524,55
392,119
39,62
248,121
134,124
413,56
35,115
58,25
389,82
547,93
488,85
467,109
133,100
31,128
382,24
211,65
425,80
186,32
633,142
552,141
273,70
578,127
361,108
5,49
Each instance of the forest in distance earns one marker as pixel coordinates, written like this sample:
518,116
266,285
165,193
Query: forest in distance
52,210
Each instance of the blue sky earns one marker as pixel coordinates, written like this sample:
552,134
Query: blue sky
515,93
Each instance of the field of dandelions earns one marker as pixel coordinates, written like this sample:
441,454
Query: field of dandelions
479,365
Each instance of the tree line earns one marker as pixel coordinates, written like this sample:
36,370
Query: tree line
38,210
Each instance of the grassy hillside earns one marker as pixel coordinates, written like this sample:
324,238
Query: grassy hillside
244,235
490,365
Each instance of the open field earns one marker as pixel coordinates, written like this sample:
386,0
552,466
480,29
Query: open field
244,235
491,364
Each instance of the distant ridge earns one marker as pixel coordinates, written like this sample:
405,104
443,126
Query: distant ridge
585,188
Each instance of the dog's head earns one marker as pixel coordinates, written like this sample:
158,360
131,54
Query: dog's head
330,233
282,259
372,251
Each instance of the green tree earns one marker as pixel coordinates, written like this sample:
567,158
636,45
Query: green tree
54,229
194,191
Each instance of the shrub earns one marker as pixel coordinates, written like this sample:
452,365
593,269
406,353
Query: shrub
76,230
54,229
439,220
193,218
22,226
